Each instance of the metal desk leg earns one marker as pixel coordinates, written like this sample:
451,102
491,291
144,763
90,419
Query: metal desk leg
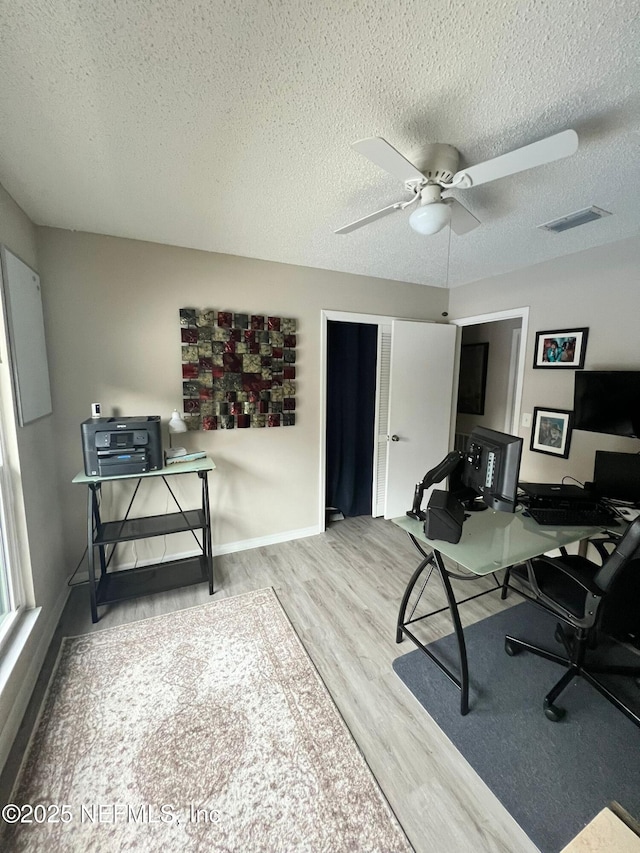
428,561
95,509
92,509
457,626
206,509
434,560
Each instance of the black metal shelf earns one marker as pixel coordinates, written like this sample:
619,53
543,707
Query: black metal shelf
148,526
108,587
146,580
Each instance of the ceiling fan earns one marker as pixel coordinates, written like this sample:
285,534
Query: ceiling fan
435,171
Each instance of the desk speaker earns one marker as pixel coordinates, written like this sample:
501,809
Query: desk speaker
445,517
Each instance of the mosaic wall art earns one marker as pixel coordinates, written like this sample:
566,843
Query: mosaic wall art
238,370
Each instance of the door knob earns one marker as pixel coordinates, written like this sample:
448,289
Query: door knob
395,438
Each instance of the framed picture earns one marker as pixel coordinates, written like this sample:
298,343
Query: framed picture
472,383
561,348
551,431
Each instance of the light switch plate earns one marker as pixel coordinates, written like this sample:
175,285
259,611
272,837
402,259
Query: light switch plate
526,419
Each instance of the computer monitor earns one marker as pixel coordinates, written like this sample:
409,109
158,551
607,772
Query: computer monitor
607,401
490,469
617,476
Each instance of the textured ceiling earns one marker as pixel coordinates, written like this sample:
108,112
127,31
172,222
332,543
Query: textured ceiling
226,126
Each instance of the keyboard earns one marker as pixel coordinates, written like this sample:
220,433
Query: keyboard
573,516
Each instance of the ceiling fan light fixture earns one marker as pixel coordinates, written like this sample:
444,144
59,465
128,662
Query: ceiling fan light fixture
430,218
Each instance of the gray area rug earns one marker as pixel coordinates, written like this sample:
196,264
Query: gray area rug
553,778
207,729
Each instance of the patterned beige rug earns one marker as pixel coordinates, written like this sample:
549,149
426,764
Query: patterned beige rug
207,729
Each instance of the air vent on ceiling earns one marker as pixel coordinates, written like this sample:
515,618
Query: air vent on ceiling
572,220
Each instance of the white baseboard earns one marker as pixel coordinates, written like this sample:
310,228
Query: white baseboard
261,541
218,550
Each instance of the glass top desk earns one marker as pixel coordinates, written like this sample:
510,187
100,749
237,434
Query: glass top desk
490,541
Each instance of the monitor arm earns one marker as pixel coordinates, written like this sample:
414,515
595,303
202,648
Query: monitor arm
436,475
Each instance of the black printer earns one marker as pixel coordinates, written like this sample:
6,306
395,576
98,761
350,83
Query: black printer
120,446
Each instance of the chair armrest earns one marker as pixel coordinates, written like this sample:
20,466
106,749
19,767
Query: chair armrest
599,545
573,573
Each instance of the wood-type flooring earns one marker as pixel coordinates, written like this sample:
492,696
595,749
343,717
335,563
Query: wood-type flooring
341,590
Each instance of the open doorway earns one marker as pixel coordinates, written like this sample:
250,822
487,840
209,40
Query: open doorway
491,373
511,363
380,325
351,407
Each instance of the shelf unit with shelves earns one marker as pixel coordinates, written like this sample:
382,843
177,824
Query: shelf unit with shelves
109,587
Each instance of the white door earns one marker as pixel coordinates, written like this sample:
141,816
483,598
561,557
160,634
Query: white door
420,407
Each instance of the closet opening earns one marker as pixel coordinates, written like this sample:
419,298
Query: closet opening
351,380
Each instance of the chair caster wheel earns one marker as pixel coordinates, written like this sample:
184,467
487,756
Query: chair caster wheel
511,649
552,712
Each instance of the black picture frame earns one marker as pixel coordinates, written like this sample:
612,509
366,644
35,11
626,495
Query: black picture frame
551,431
561,349
472,382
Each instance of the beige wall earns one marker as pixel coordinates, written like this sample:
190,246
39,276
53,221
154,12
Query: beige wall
599,289
31,458
115,339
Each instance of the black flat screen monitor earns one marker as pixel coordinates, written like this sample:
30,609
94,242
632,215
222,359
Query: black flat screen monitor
607,401
617,476
491,468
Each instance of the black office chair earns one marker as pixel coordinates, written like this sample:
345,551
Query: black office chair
575,590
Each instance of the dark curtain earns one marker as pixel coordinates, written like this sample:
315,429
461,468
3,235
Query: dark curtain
351,394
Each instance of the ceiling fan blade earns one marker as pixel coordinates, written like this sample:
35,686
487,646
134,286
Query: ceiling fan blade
399,205
547,150
384,155
462,220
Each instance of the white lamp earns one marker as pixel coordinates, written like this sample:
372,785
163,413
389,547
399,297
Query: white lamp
430,218
176,425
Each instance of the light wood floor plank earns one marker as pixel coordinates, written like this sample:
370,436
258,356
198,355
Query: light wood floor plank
341,591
